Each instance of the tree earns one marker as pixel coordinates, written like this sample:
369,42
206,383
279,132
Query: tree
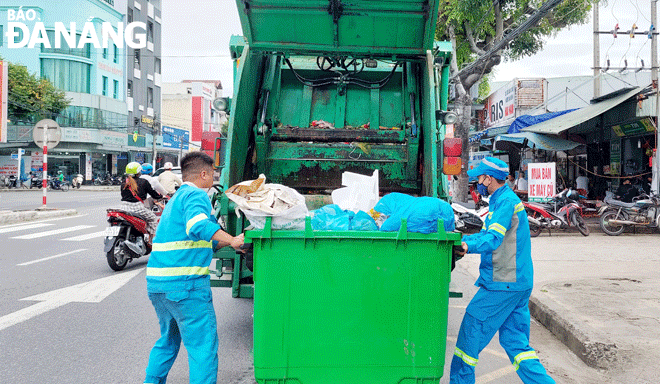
484,32
32,98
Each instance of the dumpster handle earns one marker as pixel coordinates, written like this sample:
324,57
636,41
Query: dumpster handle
267,232
403,231
309,233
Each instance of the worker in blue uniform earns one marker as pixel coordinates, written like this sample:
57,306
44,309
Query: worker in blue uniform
505,282
178,280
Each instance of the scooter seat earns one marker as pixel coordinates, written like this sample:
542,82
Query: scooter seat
468,205
619,203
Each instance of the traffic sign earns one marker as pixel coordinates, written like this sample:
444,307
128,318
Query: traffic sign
54,133
14,156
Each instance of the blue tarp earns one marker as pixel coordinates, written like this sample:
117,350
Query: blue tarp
525,121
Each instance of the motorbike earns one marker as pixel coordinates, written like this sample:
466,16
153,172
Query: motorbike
561,212
616,215
55,185
107,180
36,182
77,181
12,181
116,180
470,216
126,237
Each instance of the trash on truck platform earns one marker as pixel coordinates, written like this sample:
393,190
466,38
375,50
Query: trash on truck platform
258,200
421,213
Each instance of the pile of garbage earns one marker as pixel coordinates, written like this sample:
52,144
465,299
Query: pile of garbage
356,207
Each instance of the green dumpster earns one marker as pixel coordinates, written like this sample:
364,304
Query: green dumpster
350,306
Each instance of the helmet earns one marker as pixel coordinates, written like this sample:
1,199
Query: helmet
133,168
168,165
58,172
147,169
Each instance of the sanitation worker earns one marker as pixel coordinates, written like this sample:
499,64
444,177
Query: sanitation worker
505,282
178,280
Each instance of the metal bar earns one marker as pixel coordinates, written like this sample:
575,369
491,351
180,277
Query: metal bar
375,108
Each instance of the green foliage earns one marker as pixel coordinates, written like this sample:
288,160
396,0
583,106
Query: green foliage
479,16
32,98
484,88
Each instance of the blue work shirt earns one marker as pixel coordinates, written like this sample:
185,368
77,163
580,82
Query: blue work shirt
504,244
183,245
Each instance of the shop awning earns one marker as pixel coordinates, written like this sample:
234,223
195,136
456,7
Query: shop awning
538,141
561,123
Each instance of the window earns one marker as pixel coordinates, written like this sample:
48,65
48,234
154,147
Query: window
129,88
115,87
150,97
136,55
18,38
105,53
150,31
67,75
129,15
2,34
105,86
64,49
115,59
156,65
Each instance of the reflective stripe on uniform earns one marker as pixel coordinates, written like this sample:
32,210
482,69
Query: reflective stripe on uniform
519,207
195,220
490,215
467,359
497,228
177,271
179,245
522,357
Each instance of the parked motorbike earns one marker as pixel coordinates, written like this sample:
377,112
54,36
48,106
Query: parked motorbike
127,237
36,182
77,181
116,180
617,215
470,216
107,180
12,181
561,212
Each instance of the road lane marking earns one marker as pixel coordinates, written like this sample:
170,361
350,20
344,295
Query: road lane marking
43,221
90,292
85,237
50,257
23,227
53,232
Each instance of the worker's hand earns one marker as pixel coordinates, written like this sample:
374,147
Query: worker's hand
465,249
236,243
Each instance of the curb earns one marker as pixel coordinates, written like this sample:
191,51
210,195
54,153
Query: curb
83,188
25,216
600,355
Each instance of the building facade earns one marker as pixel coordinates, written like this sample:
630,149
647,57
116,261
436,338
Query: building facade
114,106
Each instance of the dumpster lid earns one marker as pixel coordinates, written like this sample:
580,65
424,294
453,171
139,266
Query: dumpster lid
368,28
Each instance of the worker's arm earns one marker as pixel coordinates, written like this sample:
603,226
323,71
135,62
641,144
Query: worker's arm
491,238
201,225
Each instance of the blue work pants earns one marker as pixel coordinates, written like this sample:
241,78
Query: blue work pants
186,315
487,313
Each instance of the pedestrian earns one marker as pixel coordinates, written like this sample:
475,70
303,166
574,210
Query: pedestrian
505,283
521,183
178,280
582,182
169,179
511,181
626,191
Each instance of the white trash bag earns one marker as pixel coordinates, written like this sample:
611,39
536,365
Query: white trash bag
258,200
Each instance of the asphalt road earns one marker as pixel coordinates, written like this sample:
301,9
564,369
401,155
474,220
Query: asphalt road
102,331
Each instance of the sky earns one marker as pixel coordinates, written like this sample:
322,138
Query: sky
195,43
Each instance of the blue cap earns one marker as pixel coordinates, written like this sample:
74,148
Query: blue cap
490,166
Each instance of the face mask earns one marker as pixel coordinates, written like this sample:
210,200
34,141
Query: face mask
482,189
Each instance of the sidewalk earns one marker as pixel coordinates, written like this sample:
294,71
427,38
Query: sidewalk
600,295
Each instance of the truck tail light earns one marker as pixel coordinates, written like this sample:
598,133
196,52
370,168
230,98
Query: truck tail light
452,149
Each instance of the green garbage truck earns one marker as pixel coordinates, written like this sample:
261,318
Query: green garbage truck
322,87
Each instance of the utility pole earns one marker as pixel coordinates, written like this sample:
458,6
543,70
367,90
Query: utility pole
596,52
153,143
654,79
180,149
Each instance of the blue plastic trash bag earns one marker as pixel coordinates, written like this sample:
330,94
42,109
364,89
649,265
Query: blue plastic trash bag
330,218
421,213
333,218
363,222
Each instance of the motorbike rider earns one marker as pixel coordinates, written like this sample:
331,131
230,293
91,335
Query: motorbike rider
59,180
147,170
169,179
134,193
505,282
